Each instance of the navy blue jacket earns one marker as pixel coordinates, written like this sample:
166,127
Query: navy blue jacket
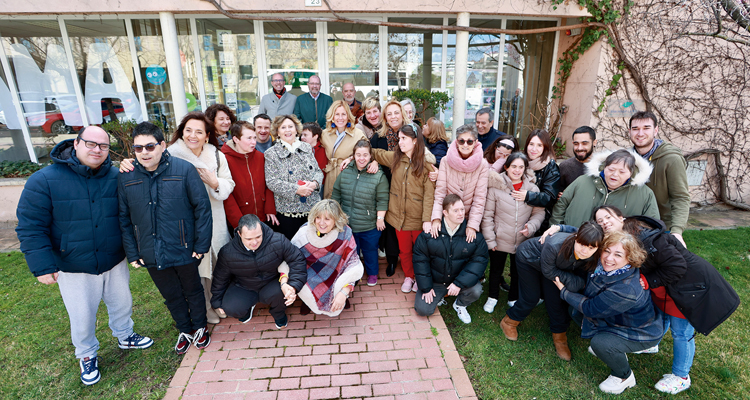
165,215
67,216
489,138
439,149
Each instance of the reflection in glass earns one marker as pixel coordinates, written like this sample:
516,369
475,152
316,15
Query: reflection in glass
481,76
291,50
229,61
353,58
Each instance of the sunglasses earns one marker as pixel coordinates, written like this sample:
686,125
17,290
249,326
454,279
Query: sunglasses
90,144
465,141
138,148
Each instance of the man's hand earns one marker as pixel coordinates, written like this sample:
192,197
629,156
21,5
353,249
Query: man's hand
453,290
678,236
195,255
429,296
139,263
339,301
471,234
289,294
48,279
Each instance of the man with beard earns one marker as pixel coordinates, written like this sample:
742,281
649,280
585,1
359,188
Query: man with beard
584,141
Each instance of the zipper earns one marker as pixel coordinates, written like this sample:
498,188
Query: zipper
182,233
515,235
356,183
403,193
252,185
137,242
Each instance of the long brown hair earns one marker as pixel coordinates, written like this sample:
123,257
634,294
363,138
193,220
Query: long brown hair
543,136
209,126
489,152
589,234
437,130
417,155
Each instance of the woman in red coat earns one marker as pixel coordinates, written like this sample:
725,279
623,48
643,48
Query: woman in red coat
250,195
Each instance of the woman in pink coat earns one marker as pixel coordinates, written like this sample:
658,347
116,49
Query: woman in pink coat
463,171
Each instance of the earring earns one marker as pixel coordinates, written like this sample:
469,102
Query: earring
348,124
333,125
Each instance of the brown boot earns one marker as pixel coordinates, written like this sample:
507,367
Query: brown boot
561,345
509,328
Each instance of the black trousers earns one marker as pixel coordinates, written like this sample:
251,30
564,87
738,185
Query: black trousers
389,244
238,301
532,284
497,267
288,226
182,291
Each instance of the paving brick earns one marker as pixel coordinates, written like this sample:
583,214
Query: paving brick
324,323
255,385
442,384
210,376
411,364
368,321
353,348
373,356
332,369
430,353
266,373
241,344
316,360
317,340
435,362
376,314
284,383
290,342
384,366
376,377
201,397
247,336
412,396
398,336
315,381
272,352
228,396
182,375
356,391
222,337
405,376
453,360
380,346
326,331
434,373
298,351
408,344
240,374
324,393
396,311
339,339
334,348
295,371
299,333
173,393
263,343
352,330
419,386
221,387
195,389
400,354
388,389
302,394
428,343
277,334
234,354
287,362
214,355
229,364
420,334
191,358
355,368
204,365
345,380
344,358
447,395
462,383
340,323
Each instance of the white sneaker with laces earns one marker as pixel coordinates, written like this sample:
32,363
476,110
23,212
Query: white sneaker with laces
615,385
512,303
407,285
381,253
650,350
672,384
463,315
489,306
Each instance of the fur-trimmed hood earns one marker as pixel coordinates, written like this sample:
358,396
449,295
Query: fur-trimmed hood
502,181
206,160
641,175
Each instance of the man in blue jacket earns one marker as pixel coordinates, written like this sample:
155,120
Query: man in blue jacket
166,223
70,235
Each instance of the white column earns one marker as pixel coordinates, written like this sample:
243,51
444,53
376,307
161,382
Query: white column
198,64
500,81
136,69
19,111
444,65
553,71
260,45
383,61
462,60
174,65
322,42
73,72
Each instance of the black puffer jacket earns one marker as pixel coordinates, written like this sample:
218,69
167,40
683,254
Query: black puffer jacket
548,181
252,270
548,259
703,296
165,215
445,259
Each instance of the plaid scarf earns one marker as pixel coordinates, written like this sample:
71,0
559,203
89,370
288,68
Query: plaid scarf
324,265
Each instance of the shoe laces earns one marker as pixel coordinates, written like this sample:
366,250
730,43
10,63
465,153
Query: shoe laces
90,365
673,380
198,335
134,338
184,336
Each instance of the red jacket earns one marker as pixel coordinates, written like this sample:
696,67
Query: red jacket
321,158
250,195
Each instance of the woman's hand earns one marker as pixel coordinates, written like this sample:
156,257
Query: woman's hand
558,283
380,225
434,175
306,189
549,232
209,178
272,219
339,301
373,167
435,228
126,165
519,195
427,227
345,163
525,232
471,234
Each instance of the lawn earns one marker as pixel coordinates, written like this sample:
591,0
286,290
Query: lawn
37,356
530,369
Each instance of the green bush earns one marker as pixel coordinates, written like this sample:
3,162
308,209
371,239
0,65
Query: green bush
425,101
19,169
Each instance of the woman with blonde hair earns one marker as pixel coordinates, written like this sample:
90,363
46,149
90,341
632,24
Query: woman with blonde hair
435,138
370,122
333,265
338,139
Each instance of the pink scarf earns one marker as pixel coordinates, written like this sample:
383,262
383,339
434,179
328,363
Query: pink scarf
455,161
538,164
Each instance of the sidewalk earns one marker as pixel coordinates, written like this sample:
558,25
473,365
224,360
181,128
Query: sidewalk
378,349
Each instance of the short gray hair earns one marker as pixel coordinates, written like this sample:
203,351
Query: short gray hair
623,156
488,111
467,128
406,101
249,221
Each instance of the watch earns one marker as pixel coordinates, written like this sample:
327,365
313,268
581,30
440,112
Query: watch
381,217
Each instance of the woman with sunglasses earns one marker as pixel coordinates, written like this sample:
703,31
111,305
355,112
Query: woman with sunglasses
194,141
463,172
499,150
541,156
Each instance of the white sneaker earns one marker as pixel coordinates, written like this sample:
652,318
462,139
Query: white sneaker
489,306
407,285
442,303
615,385
463,315
539,303
672,384
592,352
381,253
512,303
650,350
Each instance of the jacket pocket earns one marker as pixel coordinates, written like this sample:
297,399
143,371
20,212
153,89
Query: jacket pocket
694,290
137,238
133,183
63,245
183,239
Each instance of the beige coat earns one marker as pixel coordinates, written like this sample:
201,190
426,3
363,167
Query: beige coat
504,217
344,151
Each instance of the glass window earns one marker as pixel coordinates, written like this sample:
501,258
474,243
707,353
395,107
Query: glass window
414,57
229,61
481,75
353,58
40,71
291,50
526,78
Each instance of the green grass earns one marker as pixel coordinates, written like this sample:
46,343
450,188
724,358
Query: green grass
37,360
530,369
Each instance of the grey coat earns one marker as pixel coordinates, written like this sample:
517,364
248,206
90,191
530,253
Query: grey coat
273,106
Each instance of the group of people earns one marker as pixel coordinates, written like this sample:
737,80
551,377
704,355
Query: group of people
299,202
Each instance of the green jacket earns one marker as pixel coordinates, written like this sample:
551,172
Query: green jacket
361,196
305,109
589,191
670,186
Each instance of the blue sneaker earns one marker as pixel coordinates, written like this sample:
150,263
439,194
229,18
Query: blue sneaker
135,341
89,370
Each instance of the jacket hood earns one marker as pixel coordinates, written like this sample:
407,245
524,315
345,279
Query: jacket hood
502,180
642,173
454,159
666,149
647,236
65,153
230,150
206,160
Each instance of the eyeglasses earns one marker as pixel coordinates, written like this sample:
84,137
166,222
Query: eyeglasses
277,80
138,148
90,144
465,141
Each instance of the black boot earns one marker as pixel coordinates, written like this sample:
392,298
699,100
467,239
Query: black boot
390,270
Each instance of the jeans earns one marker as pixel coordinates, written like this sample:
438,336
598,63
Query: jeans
238,301
683,346
82,294
367,241
612,348
406,241
183,295
464,299
531,285
497,266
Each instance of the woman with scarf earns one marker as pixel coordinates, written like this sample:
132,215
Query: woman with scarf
338,139
333,265
541,155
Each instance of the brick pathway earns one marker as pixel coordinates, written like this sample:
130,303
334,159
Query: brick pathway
378,349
